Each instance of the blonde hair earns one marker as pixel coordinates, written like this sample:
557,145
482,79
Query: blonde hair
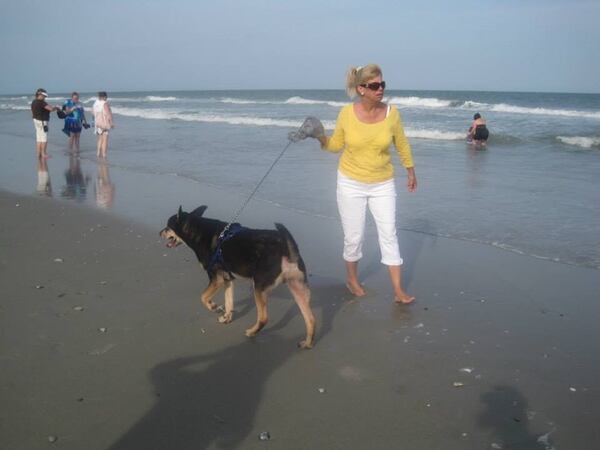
359,75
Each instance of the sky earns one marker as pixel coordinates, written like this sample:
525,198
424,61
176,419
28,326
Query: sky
124,45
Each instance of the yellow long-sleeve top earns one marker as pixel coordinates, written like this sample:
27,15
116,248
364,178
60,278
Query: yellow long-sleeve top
366,157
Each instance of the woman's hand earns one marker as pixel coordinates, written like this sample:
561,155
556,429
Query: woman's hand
412,180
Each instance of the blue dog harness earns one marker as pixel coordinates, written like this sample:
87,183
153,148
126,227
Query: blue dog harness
228,232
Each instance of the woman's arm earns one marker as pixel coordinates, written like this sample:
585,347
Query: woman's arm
403,147
401,143
412,179
337,140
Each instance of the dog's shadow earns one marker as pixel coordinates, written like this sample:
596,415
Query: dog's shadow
212,398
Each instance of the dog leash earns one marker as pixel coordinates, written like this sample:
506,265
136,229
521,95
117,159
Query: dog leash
233,228
245,203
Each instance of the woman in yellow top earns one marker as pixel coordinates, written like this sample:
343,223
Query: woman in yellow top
364,132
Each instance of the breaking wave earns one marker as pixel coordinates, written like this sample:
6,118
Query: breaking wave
434,134
7,106
161,114
158,98
580,141
307,101
503,107
290,101
420,102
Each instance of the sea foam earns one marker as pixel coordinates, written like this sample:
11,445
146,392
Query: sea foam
580,141
8,106
158,98
420,102
434,134
502,107
162,114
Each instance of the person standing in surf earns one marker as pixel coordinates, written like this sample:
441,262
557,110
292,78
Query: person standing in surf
478,132
363,133
103,121
40,112
74,121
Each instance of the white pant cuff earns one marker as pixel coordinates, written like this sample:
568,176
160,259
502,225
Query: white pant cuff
389,262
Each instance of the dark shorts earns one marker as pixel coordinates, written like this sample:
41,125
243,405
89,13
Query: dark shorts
481,133
73,127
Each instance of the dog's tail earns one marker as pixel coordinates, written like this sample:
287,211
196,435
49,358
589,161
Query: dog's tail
294,252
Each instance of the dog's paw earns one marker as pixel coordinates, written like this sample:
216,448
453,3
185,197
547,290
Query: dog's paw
211,306
250,332
226,318
304,344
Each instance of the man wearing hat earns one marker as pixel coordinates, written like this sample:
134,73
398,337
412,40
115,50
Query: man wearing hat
40,110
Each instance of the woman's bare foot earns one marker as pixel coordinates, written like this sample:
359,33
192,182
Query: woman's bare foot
403,298
355,288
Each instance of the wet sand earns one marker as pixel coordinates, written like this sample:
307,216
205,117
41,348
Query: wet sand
104,343
499,350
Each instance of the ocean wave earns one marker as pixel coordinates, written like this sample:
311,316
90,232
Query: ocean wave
470,104
161,114
244,101
434,134
290,101
420,102
7,106
158,98
503,107
308,101
580,141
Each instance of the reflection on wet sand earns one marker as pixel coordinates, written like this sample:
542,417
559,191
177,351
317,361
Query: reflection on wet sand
44,187
104,188
76,183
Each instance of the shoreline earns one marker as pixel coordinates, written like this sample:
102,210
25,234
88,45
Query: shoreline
181,189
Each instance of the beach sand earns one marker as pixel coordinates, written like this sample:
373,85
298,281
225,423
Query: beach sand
105,344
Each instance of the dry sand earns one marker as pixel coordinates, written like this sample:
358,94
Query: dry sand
104,345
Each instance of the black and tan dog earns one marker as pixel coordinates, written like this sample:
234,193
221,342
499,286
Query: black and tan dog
267,257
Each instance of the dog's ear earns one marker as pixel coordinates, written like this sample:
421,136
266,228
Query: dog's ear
179,211
199,211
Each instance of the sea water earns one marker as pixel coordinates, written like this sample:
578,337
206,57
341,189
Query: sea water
535,188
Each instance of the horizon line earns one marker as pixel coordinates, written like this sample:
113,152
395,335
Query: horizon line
312,89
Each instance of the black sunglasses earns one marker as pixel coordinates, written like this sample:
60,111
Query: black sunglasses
374,86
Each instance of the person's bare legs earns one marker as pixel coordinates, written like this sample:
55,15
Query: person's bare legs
74,142
103,145
352,205
400,295
39,148
352,282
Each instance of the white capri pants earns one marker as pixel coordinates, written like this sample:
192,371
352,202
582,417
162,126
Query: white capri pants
353,198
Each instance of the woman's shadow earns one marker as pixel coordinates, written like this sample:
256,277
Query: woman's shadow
506,414
213,397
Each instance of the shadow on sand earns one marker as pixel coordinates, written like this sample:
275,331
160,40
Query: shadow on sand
212,398
506,413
